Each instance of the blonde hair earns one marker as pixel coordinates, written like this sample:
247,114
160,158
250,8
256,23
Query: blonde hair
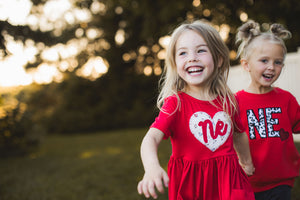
250,32
170,81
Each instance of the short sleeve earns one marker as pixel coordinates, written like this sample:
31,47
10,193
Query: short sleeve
238,125
166,117
294,110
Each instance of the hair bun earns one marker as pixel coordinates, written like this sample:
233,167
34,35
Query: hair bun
248,30
280,31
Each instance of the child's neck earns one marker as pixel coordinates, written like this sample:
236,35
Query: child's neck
259,90
203,95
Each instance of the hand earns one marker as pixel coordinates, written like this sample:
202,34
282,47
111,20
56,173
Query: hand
249,169
157,178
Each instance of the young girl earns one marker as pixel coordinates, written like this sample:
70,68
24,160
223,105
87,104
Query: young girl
198,113
270,114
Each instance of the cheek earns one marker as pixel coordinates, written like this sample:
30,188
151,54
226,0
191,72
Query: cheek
179,62
278,71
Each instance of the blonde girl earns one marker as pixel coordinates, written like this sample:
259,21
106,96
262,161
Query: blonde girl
199,115
270,114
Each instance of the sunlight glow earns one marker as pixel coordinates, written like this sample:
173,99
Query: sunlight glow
119,10
148,70
93,33
157,70
20,9
224,31
55,9
50,54
196,3
126,57
83,15
164,41
162,54
12,70
143,50
155,48
243,17
45,74
232,54
93,68
54,16
12,76
206,12
98,7
120,37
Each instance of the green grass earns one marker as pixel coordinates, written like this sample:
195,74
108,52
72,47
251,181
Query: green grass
98,166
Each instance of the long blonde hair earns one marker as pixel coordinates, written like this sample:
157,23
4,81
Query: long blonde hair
170,81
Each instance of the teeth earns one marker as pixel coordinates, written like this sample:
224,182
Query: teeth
267,76
194,69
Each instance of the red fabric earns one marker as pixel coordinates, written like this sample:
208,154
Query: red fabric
203,164
270,120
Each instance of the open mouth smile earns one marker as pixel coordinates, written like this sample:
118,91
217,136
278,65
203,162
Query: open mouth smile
194,69
268,76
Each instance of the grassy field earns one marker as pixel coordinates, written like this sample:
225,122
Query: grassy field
99,166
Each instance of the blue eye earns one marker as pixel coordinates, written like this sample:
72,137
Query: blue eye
265,61
182,53
278,62
201,50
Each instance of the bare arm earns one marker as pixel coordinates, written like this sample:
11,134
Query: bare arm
155,176
241,145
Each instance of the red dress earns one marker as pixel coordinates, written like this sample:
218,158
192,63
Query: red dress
203,164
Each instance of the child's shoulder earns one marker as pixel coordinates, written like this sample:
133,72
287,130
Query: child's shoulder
283,93
278,90
172,99
239,94
178,95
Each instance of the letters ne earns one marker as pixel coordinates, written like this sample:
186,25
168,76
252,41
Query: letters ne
264,123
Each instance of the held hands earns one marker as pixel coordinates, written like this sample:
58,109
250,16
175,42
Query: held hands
248,168
153,179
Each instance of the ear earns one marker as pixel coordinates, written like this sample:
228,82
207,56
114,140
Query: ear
220,62
245,65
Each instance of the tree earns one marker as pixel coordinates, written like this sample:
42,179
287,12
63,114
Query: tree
127,35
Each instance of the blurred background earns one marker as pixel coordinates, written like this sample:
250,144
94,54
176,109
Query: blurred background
79,81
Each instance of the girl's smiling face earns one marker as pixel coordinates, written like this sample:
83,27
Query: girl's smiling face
193,60
264,65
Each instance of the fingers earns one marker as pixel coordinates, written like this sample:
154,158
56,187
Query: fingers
139,187
249,170
151,190
166,180
148,188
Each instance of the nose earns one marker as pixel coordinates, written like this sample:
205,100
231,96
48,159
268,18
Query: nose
193,58
271,66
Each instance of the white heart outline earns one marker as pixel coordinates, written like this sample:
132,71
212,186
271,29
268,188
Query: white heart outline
197,131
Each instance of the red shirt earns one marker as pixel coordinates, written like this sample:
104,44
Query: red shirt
270,119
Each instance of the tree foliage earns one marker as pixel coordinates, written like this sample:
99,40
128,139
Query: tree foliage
124,96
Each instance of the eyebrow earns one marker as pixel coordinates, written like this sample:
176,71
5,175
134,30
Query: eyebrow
268,57
200,45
